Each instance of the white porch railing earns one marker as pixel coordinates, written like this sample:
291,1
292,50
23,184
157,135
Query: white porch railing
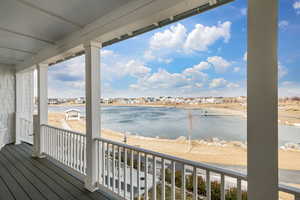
65,146
25,130
131,172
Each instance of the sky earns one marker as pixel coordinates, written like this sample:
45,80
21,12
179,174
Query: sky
204,55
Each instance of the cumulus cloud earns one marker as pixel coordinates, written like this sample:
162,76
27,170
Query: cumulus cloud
217,82
236,69
197,68
178,39
170,38
296,6
283,24
135,69
282,70
221,83
219,63
203,36
244,11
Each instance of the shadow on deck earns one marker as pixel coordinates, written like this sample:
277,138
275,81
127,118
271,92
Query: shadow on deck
25,178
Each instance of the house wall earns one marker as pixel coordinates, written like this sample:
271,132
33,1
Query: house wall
7,105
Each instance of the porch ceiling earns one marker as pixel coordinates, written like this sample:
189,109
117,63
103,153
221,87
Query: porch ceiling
34,31
27,26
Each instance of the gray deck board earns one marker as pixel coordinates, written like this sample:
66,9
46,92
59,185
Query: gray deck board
25,178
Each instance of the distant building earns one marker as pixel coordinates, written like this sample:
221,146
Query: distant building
53,101
72,114
80,100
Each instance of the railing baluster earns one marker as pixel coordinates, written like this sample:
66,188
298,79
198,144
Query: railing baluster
173,194
239,189
83,153
119,170
80,154
154,178
131,175
113,168
56,144
195,184
139,176
103,164
146,177
125,172
98,161
108,164
63,147
208,185
222,187
183,184
77,152
163,181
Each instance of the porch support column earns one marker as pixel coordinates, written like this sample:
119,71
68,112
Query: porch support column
262,121
93,127
42,118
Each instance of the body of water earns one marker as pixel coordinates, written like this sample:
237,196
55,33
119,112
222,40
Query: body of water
170,122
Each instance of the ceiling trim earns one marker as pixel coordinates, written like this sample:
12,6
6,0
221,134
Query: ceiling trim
44,11
27,36
19,50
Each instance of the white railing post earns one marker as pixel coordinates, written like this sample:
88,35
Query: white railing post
92,88
262,92
42,72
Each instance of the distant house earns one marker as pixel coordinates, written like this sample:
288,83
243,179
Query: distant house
80,100
72,114
53,101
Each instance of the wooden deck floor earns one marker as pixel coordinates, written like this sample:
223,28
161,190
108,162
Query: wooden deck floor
25,178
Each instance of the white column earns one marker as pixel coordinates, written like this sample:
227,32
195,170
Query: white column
262,121
19,96
42,76
93,127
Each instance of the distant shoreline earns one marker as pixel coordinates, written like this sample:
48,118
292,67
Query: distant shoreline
290,117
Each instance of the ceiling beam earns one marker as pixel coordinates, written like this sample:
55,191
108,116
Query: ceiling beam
19,50
27,36
11,59
44,11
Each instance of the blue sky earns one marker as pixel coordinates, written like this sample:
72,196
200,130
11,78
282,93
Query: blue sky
204,55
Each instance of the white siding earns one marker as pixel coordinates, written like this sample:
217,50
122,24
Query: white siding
7,105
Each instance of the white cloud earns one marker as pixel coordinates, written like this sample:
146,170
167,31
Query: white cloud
202,36
170,38
282,70
199,85
221,83
197,68
177,39
106,53
135,69
283,24
236,69
245,56
244,11
217,82
232,85
219,63
296,6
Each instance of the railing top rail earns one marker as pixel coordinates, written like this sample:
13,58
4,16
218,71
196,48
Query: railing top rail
289,189
66,130
203,166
